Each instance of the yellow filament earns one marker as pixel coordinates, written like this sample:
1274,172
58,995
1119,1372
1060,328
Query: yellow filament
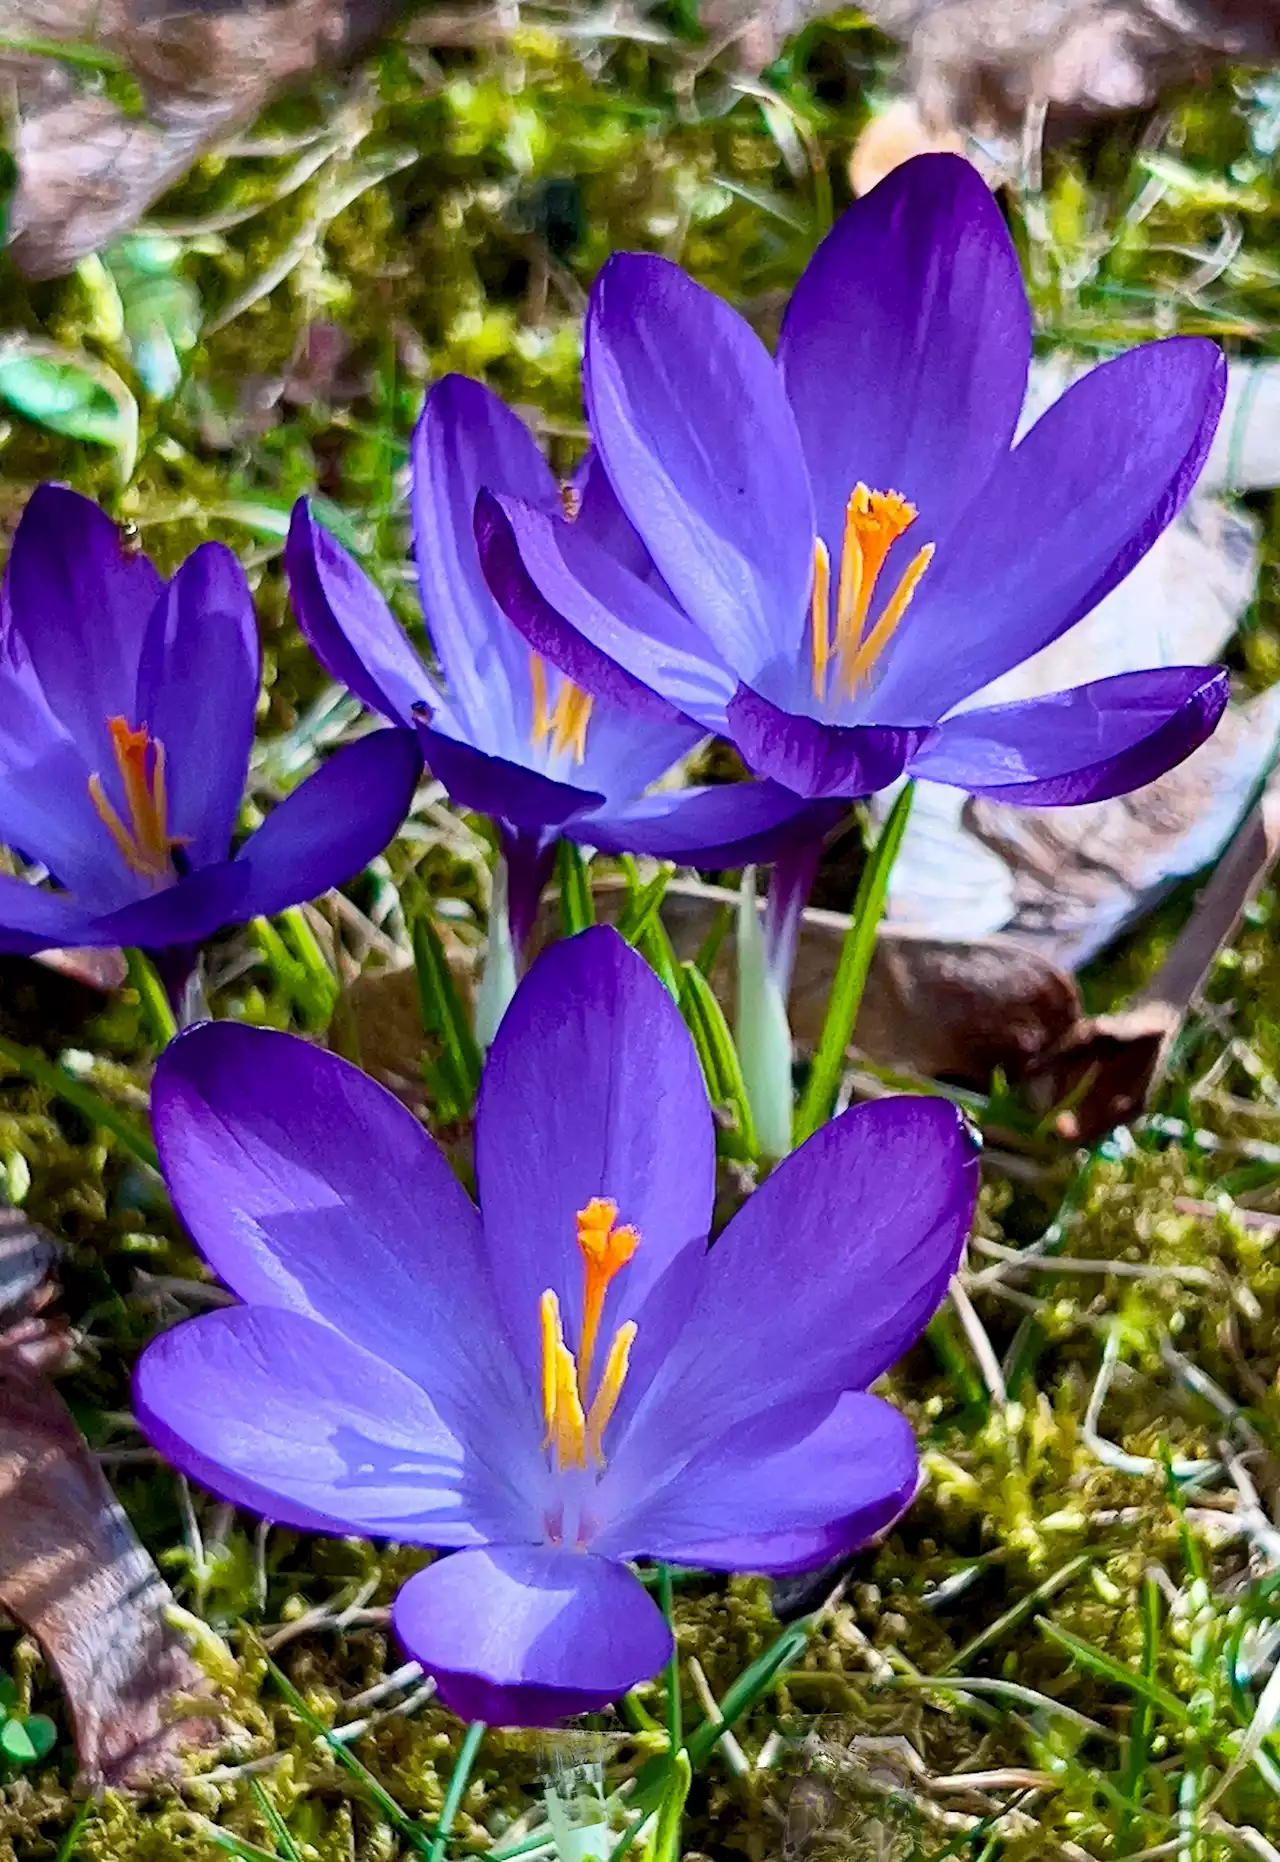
145,842
819,615
565,722
878,639
562,1412
606,1397
873,522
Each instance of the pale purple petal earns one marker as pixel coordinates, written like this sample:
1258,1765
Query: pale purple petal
78,602
281,1415
725,825
492,785
592,1088
1082,745
1079,500
905,347
330,827
349,626
46,809
467,441
747,1503
33,918
309,1187
694,430
524,1635
586,612
197,694
187,912
816,759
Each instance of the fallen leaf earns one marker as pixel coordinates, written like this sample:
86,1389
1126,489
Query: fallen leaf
72,1571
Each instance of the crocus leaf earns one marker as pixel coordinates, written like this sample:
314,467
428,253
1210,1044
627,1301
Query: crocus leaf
454,1076
70,398
705,1020
572,872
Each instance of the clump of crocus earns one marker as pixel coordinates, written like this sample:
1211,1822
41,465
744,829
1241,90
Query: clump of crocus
505,732
851,543
126,721
567,1377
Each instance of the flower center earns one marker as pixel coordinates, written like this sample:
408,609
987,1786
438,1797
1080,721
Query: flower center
565,722
145,842
873,522
575,1418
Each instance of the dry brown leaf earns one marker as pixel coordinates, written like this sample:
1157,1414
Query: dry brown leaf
87,170
72,1571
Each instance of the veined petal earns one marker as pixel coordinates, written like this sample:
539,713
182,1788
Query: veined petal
905,347
593,1076
330,827
825,1276
281,1415
816,759
1074,506
1082,745
608,630
467,441
198,693
308,1187
522,1635
349,626
78,603
692,425
752,1503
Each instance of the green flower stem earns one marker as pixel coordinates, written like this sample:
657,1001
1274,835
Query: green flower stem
851,973
153,999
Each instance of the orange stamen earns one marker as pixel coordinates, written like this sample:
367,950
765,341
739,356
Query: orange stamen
873,522
565,722
145,842
605,1248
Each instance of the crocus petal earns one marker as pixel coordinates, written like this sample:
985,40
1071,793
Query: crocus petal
349,626
816,759
46,808
309,1187
279,1414
330,827
592,1077
1075,505
466,441
78,605
694,430
524,1635
746,1504
604,627
197,693
905,347
491,785
1082,745
187,912
869,1216
725,825
32,918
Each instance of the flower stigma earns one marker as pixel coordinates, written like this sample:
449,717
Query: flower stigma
145,843
565,722
576,1420
873,522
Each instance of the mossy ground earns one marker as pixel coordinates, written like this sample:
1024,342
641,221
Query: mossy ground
1066,1610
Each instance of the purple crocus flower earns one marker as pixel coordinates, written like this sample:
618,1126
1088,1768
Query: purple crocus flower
126,721
566,1377
507,734
852,543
